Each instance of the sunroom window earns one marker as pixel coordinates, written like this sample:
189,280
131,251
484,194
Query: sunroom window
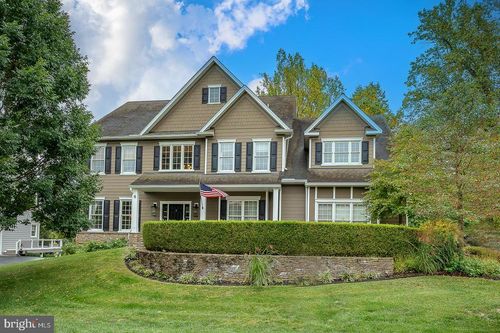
341,152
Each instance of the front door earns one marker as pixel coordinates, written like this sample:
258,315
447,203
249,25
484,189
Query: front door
176,211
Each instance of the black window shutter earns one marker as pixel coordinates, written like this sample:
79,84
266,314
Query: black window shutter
105,217
274,155
118,159
262,209
249,160
318,146
140,212
223,209
156,158
204,95
196,157
223,94
364,152
107,165
237,156
138,159
116,215
215,152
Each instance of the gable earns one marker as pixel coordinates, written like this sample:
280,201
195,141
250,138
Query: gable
245,115
189,114
342,121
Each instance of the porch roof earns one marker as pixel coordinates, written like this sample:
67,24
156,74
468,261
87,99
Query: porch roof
194,178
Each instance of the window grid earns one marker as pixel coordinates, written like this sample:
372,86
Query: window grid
226,156
33,230
96,212
261,156
341,152
125,214
97,160
128,158
342,212
243,210
213,95
177,157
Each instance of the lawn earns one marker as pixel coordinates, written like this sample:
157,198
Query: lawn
95,292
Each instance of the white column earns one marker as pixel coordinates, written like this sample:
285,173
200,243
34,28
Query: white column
267,206
276,192
135,211
203,208
307,204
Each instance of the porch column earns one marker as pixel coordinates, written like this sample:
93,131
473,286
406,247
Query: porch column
275,203
135,211
203,208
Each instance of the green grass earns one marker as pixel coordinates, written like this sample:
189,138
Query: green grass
95,292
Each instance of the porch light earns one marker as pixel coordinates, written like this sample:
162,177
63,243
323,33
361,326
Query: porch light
153,208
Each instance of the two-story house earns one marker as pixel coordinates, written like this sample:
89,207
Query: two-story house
153,155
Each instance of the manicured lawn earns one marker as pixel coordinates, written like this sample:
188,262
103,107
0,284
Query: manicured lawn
95,292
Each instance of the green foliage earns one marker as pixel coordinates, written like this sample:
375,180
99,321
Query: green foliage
111,244
312,86
209,279
371,99
187,278
482,252
325,277
286,238
69,248
46,136
259,270
475,267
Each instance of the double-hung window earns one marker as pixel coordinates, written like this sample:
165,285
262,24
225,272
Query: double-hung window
214,94
243,210
226,156
261,155
98,159
342,152
96,212
177,156
342,212
128,158
125,214
34,230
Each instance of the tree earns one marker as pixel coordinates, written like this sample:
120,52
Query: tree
312,86
446,162
46,136
371,99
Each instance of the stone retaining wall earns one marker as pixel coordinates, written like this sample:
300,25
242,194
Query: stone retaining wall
134,239
233,269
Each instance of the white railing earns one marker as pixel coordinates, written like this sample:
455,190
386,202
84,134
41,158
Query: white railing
39,245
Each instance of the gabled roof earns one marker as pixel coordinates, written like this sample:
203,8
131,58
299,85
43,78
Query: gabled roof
196,77
343,98
233,100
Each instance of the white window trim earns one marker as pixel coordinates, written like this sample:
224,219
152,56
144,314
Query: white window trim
90,215
213,86
92,159
333,140
36,230
120,215
124,144
176,143
190,203
351,203
233,141
242,200
268,170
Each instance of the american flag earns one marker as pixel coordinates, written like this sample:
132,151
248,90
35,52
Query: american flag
211,192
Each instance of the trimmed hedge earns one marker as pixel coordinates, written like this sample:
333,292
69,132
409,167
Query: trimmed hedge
286,238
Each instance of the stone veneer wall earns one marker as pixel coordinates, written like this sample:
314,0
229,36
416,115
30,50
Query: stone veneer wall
233,269
134,239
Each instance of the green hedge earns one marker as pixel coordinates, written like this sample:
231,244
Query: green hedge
287,238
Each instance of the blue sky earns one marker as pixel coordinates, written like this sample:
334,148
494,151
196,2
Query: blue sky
147,50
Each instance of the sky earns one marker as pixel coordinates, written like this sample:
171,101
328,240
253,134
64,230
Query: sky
148,49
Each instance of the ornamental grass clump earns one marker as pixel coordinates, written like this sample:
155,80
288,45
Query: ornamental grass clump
259,270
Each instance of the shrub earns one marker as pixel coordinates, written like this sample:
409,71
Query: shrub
325,277
286,238
209,279
110,244
69,248
482,252
475,267
259,270
187,278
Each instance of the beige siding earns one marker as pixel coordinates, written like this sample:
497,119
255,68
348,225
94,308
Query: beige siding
342,193
189,113
359,192
245,121
293,202
342,123
325,192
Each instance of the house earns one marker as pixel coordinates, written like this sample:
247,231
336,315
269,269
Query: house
153,155
25,229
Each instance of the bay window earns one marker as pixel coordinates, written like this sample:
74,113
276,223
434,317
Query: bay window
177,157
341,151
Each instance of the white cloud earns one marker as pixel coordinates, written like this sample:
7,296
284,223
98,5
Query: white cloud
147,49
255,83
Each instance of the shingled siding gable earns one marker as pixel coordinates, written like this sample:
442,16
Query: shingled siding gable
189,114
342,122
244,121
